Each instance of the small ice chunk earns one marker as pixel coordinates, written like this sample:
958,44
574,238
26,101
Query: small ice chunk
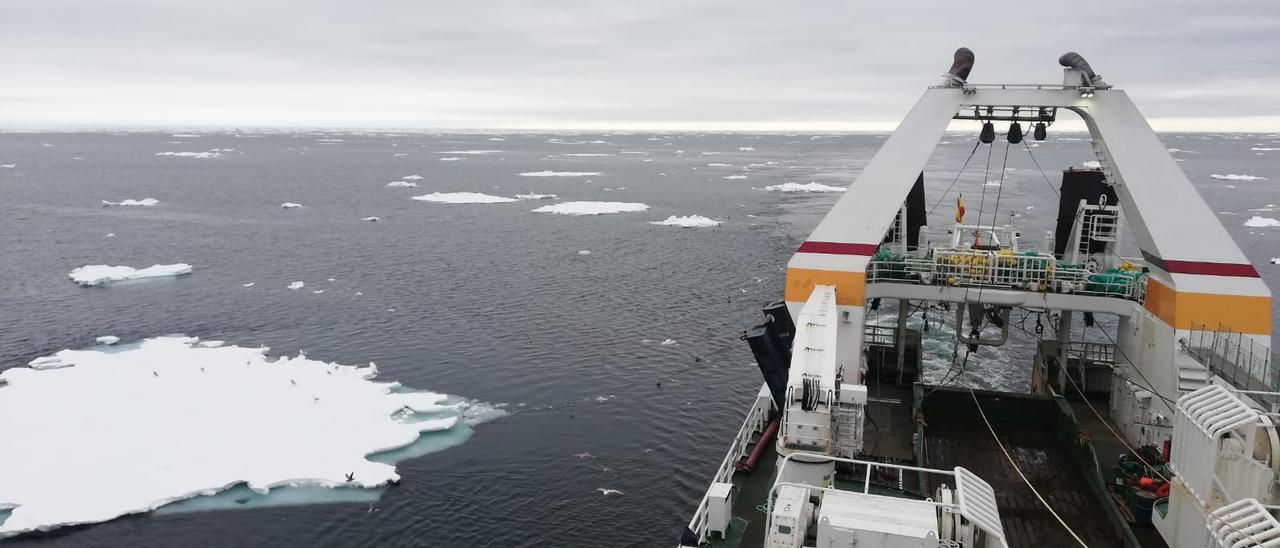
691,221
992,183
1275,260
145,202
371,219
290,205
250,284
452,159
1235,177
101,274
111,234
535,196
560,174
667,342
1265,149
807,187
403,184
591,208
747,149
200,155
185,135
107,339
584,252
399,154
318,291
8,166
1092,164
471,152
412,177
734,177
463,198
1261,222
297,285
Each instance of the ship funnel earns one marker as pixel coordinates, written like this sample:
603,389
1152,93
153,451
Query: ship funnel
960,68
1075,61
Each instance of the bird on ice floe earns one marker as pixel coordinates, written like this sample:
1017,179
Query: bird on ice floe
607,492
351,476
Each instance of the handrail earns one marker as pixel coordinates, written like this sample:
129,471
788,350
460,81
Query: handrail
754,422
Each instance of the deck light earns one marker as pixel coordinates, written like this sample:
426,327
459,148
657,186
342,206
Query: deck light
1015,133
1040,132
988,133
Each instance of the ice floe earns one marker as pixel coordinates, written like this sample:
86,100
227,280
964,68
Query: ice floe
1261,222
297,285
101,274
215,153
1275,260
1235,177
107,340
1092,164
452,159
1265,149
250,284
8,166
747,149
405,184
470,152
560,174
667,342
584,251
371,219
691,221
145,202
399,154
167,419
734,177
805,187
587,154
536,196
591,208
719,165
412,177
463,198
992,183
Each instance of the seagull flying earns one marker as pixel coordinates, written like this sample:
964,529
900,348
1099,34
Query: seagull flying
607,492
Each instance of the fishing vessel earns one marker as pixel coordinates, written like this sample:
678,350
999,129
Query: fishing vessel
1150,419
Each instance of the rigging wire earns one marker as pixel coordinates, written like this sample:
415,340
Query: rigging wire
953,181
1042,174
1014,464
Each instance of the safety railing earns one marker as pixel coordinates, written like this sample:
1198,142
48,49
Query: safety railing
1090,352
1235,357
1027,271
753,424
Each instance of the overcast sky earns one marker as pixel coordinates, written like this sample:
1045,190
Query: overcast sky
709,64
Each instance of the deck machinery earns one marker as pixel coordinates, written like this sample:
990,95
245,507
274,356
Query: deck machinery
1161,436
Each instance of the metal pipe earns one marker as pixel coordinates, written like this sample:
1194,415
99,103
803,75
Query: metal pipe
765,439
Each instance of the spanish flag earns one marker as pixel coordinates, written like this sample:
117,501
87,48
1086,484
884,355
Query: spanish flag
960,209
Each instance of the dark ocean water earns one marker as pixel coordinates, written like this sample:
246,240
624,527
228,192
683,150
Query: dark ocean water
489,301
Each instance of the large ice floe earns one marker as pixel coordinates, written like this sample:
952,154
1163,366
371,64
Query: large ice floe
101,274
403,184
1235,177
691,221
560,174
463,198
113,431
1261,222
145,202
591,208
804,187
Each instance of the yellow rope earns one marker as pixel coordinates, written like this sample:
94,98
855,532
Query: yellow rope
1019,471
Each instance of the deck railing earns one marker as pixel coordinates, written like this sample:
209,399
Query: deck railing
995,269
753,424
1235,357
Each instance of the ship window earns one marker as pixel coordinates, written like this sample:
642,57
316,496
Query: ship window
784,529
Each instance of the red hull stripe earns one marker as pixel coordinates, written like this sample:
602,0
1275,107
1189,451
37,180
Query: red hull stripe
838,248
1210,269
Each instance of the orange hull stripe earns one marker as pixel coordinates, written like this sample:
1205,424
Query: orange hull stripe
850,286
1180,309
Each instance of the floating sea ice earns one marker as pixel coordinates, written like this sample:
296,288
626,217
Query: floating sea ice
1092,164
1275,260
1235,177
318,291
107,339
111,234
496,139
535,196
560,174
584,252
586,154
290,205
807,187
250,284
201,155
145,202
452,159
1261,222
399,154
185,135
163,405
8,166
667,342
746,149
403,184
719,165
471,152
691,221
297,285
371,219
992,183
734,177
412,177
101,274
1262,149
591,208
463,198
